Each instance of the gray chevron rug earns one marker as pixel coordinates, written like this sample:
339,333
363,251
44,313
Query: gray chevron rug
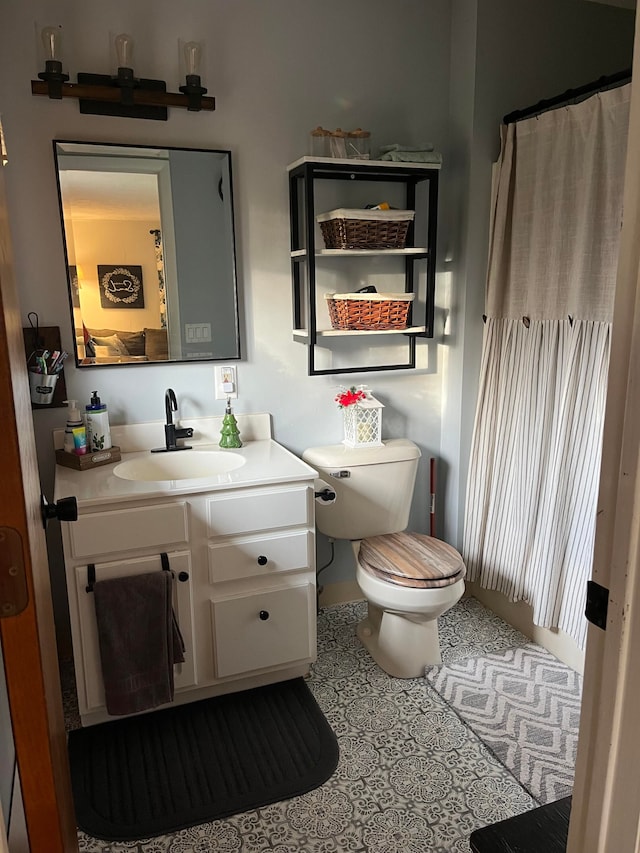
525,705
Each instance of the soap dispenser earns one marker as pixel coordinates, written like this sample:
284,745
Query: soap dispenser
74,422
97,422
230,434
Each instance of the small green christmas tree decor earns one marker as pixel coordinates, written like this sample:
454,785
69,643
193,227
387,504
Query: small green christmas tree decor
229,434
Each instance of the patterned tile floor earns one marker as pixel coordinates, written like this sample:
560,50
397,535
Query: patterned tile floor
412,776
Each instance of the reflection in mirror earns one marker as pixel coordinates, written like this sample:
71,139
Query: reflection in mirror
150,251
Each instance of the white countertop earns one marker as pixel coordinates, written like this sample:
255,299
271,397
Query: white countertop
266,462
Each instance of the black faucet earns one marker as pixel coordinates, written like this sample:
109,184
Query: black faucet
171,432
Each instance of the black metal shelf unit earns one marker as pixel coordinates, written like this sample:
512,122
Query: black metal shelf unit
302,177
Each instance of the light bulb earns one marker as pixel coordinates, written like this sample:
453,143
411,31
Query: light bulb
192,53
52,41
124,50
52,74
192,57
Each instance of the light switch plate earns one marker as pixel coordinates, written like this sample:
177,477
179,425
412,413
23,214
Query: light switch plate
197,333
226,377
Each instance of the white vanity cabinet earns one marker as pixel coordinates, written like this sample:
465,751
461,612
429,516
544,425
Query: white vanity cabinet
243,560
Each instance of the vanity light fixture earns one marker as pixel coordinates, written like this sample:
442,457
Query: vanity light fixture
123,94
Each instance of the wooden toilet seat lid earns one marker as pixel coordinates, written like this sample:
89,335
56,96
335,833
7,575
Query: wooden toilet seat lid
411,559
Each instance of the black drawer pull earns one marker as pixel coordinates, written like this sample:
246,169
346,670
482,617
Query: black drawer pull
264,615
183,576
262,560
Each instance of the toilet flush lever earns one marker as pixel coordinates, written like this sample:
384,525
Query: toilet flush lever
340,475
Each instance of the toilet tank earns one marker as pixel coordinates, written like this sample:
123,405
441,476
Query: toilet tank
373,486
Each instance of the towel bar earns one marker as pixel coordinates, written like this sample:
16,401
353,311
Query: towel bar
166,567
91,576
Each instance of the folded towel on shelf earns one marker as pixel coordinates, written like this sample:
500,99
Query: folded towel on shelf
139,641
412,156
396,146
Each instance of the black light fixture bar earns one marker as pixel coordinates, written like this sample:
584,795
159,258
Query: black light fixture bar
123,94
98,95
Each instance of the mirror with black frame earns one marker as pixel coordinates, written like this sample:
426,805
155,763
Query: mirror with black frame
150,250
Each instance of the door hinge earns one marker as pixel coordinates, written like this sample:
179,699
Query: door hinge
14,594
597,604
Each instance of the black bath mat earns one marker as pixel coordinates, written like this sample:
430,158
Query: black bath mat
156,773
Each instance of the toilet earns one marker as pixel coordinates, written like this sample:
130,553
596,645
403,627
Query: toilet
408,579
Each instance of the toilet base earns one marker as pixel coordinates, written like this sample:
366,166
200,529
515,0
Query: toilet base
402,646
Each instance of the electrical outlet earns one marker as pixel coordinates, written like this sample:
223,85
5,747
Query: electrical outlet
226,382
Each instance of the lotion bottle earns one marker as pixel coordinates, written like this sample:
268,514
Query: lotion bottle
74,421
97,423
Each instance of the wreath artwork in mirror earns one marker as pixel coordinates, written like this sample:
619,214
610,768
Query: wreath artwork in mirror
150,249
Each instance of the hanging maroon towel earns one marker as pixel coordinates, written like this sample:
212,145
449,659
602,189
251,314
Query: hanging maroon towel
139,641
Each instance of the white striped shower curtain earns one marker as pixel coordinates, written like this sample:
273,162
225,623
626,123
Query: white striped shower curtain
535,457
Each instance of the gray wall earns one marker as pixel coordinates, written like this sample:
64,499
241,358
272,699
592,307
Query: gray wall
436,70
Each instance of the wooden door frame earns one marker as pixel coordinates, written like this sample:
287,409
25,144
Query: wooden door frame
605,813
28,639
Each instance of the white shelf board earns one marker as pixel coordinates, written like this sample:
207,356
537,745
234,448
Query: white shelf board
334,253
336,333
352,161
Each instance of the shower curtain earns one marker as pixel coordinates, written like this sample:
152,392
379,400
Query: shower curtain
535,457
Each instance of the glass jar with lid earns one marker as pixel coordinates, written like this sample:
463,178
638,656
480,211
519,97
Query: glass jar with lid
319,142
358,144
337,143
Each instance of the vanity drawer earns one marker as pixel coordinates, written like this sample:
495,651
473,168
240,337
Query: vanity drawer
126,529
260,555
272,628
263,509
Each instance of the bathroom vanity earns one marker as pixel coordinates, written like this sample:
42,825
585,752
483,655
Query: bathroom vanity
240,539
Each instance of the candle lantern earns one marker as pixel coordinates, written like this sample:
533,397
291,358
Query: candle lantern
362,415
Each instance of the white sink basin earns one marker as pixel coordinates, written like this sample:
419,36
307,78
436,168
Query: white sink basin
179,465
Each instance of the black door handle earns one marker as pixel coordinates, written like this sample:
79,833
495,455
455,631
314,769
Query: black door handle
262,560
66,509
264,615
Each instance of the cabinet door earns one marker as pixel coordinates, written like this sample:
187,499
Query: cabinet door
267,629
253,556
85,646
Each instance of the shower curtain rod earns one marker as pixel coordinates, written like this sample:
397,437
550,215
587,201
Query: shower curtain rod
571,95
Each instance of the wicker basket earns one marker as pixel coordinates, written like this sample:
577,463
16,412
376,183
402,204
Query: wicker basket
365,229
372,311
